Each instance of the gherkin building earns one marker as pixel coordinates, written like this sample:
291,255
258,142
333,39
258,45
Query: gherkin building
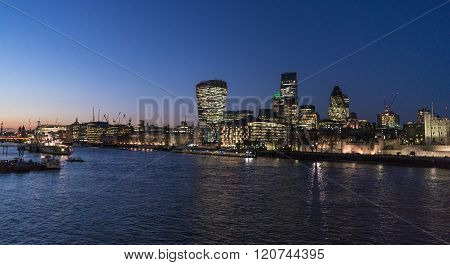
338,109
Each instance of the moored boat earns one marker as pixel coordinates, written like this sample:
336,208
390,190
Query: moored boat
48,149
75,159
51,162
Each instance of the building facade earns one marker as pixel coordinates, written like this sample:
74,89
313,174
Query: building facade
267,135
388,119
308,117
288,108
338,109
211,102
234,115
413,134
437,130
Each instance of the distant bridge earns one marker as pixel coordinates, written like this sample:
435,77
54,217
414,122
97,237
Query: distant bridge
13,139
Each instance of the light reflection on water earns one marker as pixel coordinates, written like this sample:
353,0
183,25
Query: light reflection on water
188,199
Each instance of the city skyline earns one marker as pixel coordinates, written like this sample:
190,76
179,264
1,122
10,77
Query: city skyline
52,78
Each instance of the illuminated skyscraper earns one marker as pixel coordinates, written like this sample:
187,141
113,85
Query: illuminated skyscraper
338,110
289,85
289,97
211,102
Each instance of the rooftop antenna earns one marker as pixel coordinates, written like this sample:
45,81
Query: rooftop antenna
98,115
93,115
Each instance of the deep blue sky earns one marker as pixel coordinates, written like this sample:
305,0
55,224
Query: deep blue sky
247,43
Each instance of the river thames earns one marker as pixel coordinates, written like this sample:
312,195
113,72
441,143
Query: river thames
131,197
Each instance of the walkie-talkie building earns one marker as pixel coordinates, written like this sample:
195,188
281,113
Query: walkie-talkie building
211,102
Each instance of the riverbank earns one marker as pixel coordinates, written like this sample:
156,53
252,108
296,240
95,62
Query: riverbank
247,154
398,160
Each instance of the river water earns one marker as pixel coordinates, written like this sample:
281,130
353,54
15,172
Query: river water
131,197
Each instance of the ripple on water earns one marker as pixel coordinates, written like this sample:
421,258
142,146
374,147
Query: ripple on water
123,197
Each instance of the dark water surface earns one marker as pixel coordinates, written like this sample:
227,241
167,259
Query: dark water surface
126,197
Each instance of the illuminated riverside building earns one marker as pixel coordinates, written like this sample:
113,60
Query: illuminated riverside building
95,131
268,115
252,133
211,102
50,132
154,135
268,135
308,117
338,109
233,134
183,134
428,130
388,120
437,130
413,134
421,115
76,132
116,134
327,124
233,115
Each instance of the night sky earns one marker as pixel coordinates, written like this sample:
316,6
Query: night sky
246,43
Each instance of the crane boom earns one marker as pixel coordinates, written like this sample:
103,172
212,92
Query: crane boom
392,102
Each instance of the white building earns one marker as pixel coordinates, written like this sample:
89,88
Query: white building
437,130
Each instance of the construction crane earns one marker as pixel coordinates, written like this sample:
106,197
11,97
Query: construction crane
386,107
121,119
116,120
